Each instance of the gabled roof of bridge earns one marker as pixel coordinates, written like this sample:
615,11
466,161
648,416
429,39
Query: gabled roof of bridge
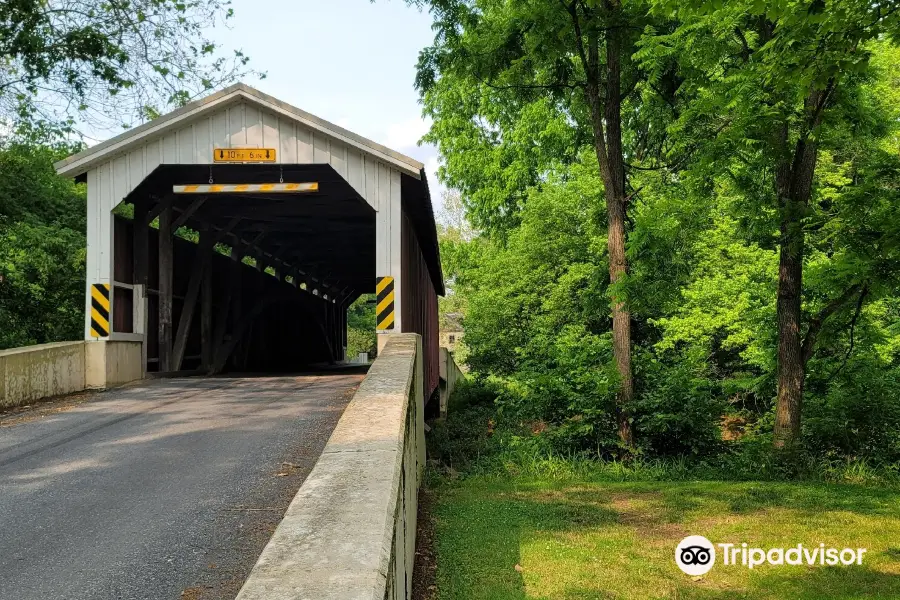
80,163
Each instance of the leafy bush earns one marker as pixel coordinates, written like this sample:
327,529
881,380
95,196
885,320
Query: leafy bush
466,434
857,416
678,407
361,336
473,392
42,248
476,440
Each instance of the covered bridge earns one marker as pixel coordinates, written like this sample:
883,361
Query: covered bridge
289,219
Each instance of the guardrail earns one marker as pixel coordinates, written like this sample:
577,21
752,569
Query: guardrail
34,372
350,531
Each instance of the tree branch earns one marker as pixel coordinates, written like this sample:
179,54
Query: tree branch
745,47
859,305
815,324
590,60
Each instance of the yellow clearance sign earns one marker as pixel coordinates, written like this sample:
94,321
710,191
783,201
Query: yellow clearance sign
244,155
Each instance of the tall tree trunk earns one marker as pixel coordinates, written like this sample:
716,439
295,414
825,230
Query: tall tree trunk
791,367
606,122
794,179
621,317
606,125
615,210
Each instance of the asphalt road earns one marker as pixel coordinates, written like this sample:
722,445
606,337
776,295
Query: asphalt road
165,490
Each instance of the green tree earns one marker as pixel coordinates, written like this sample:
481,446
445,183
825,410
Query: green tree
361,336
767,83
458,245
42,248
537,321
41,284
108,63
537,316
515,90
728,162
31,191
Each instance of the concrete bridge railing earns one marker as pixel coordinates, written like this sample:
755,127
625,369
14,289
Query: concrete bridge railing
450,376
350,531
34,372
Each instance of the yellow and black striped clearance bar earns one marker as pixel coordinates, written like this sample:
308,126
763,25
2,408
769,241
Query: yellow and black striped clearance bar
100,310
241,188
384,310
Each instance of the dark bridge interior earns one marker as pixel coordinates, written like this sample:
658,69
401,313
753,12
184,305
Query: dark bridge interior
266,283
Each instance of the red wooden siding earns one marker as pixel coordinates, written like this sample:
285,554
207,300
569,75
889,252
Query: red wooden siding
419,304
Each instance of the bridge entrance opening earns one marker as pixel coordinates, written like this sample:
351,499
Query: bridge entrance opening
279,255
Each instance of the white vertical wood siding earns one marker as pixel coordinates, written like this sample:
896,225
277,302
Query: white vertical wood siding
241,125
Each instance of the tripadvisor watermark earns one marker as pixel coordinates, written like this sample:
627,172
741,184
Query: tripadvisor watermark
696,555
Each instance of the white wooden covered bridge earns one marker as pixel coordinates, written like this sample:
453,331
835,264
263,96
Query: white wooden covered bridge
295,219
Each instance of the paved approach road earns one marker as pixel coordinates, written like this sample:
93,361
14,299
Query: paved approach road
165,490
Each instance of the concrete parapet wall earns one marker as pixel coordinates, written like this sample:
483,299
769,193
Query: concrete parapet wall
124,362
350,531
34,372
108,364
450,376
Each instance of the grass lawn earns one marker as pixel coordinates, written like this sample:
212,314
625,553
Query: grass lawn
604,541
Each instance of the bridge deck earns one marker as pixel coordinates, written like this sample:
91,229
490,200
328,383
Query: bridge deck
164,490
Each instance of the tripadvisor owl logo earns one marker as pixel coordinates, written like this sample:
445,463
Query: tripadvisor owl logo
695,555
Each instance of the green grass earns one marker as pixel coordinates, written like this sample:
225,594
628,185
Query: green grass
616,539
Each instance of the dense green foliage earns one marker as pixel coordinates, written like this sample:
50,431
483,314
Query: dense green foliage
728,103
361,336
703,295
42,248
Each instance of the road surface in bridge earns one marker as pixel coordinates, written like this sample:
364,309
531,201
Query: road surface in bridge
169,489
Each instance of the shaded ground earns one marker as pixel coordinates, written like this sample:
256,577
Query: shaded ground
166,489
425,573
536,539
44,407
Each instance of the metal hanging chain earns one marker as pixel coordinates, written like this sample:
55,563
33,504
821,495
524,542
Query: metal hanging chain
281,174
210,175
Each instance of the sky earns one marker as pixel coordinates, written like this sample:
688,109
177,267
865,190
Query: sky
351,62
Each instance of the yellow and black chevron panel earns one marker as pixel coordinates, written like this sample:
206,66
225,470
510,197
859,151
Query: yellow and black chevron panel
100,310
384,309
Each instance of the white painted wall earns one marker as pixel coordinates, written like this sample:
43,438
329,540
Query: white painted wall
388,223
243,124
